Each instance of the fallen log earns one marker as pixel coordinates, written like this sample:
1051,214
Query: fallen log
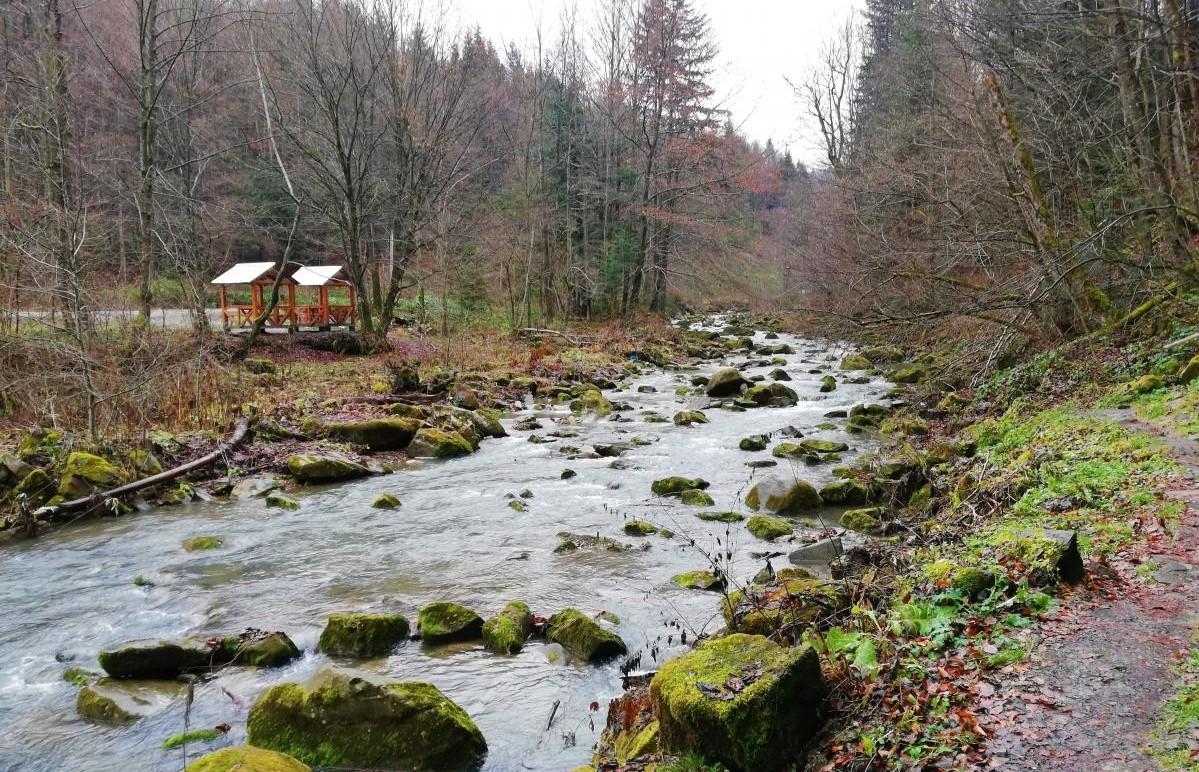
97,499
537,332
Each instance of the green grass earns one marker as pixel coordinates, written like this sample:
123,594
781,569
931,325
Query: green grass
1179,719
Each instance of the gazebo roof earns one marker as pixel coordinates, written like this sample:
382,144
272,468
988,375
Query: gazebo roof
303,275
243,273
317,275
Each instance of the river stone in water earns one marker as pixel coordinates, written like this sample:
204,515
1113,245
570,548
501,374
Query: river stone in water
109,701
376,433
674,486
762,725
252,487
435,443
583,637
156,659
725,382
506,633
339,720
783,496
318,468
246,758
445,622
363,635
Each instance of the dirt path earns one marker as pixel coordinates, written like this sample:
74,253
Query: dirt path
1091,690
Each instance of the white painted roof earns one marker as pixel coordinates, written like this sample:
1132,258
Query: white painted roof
315,275
243,273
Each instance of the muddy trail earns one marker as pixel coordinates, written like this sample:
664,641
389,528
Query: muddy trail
1102,666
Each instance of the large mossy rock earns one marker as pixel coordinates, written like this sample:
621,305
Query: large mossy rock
583,637
158,659
882,355
772,395
769,528
725,382
506,632
85,474
1189,371
363,635
257,648
37,487
376,433
909,374
846,491
338,720
674,486
321,468
813,445
445,622
783,496
436,443
785,607
855,362
246,758
109,701
740,700
591,402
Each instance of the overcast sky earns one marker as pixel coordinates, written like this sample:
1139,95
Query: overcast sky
761,42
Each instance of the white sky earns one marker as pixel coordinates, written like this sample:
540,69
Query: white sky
761,42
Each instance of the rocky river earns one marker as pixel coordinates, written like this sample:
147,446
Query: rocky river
455,537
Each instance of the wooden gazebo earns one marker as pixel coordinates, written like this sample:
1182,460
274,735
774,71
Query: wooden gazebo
317,310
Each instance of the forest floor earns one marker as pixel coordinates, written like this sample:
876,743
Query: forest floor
1091,694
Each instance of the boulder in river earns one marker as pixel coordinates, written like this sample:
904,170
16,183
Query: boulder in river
696,498
583,637
376,433
754,442
340,720
740,700
822,446
109,701
506,632
725,382
769,394
689,417
828,383
846,491
85,474
593,403
246,758
436,443
783,495
769,528
170,659
855,362
779,374
674,486
699,580
822,551
446,622
321,468
363,635
386,500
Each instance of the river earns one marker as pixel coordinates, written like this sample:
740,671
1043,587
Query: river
71,593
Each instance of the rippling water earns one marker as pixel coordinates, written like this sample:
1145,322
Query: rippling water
70,594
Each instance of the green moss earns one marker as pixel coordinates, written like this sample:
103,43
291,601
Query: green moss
257,649
689,417
246,758
828,383
85,473
640,528
909,374
78,676
855,362
376,433
788,605
972,580
363,635
583,637
197,543
444,622
592,402
194,736
337,720
699,580
786,450
721,517
754,442
823,446
507,632
674,486
316,468
696,498
386,501
846,491
769,528
436,443
783,496
156,659
862,519
96,706
280,501
37,487
763,725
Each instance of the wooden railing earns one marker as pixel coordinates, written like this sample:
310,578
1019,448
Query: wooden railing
243,315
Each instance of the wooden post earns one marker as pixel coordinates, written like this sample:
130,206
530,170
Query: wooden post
224,310
291,306
353,307
324,304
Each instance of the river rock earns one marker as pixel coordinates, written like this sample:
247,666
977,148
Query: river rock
321,468
823,446
882,355
591,402
109,701
246,758
689,417
506,632
908,374
741,700
828,383
445,622
855,362
754,442
783,496
696,498
725,382
821,551
363,635
583,637
252,487
37,487
779,374
674,486
772,394
846,491
866,520
436,443
699,580
85,474
340,720
786,606
769,528
157,659
376,433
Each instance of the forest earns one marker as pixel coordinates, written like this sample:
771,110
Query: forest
641,441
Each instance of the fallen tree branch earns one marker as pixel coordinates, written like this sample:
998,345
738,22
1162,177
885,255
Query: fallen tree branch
97,499
537,332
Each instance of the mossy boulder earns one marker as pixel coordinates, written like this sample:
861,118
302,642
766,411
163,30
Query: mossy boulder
783,496
785,607
1145,384
846,491
246,758
721,517
376,433
170,659
386,500
1189,371
882,355
85,474
591,402
823,446
689,417
339,720
281,501
507,632
699,580
37,487
740,700
122,702
257,648
868,519
639,528
445,622
102,706
972,580
787,450
725,382
322,468
202,543
779,374
953,402
437,443
674,486
754,442
770,394
696,498
363,635
583,637
855,362
828,383
769,528
260,366
909,374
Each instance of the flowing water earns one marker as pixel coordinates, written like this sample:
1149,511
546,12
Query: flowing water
71,593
